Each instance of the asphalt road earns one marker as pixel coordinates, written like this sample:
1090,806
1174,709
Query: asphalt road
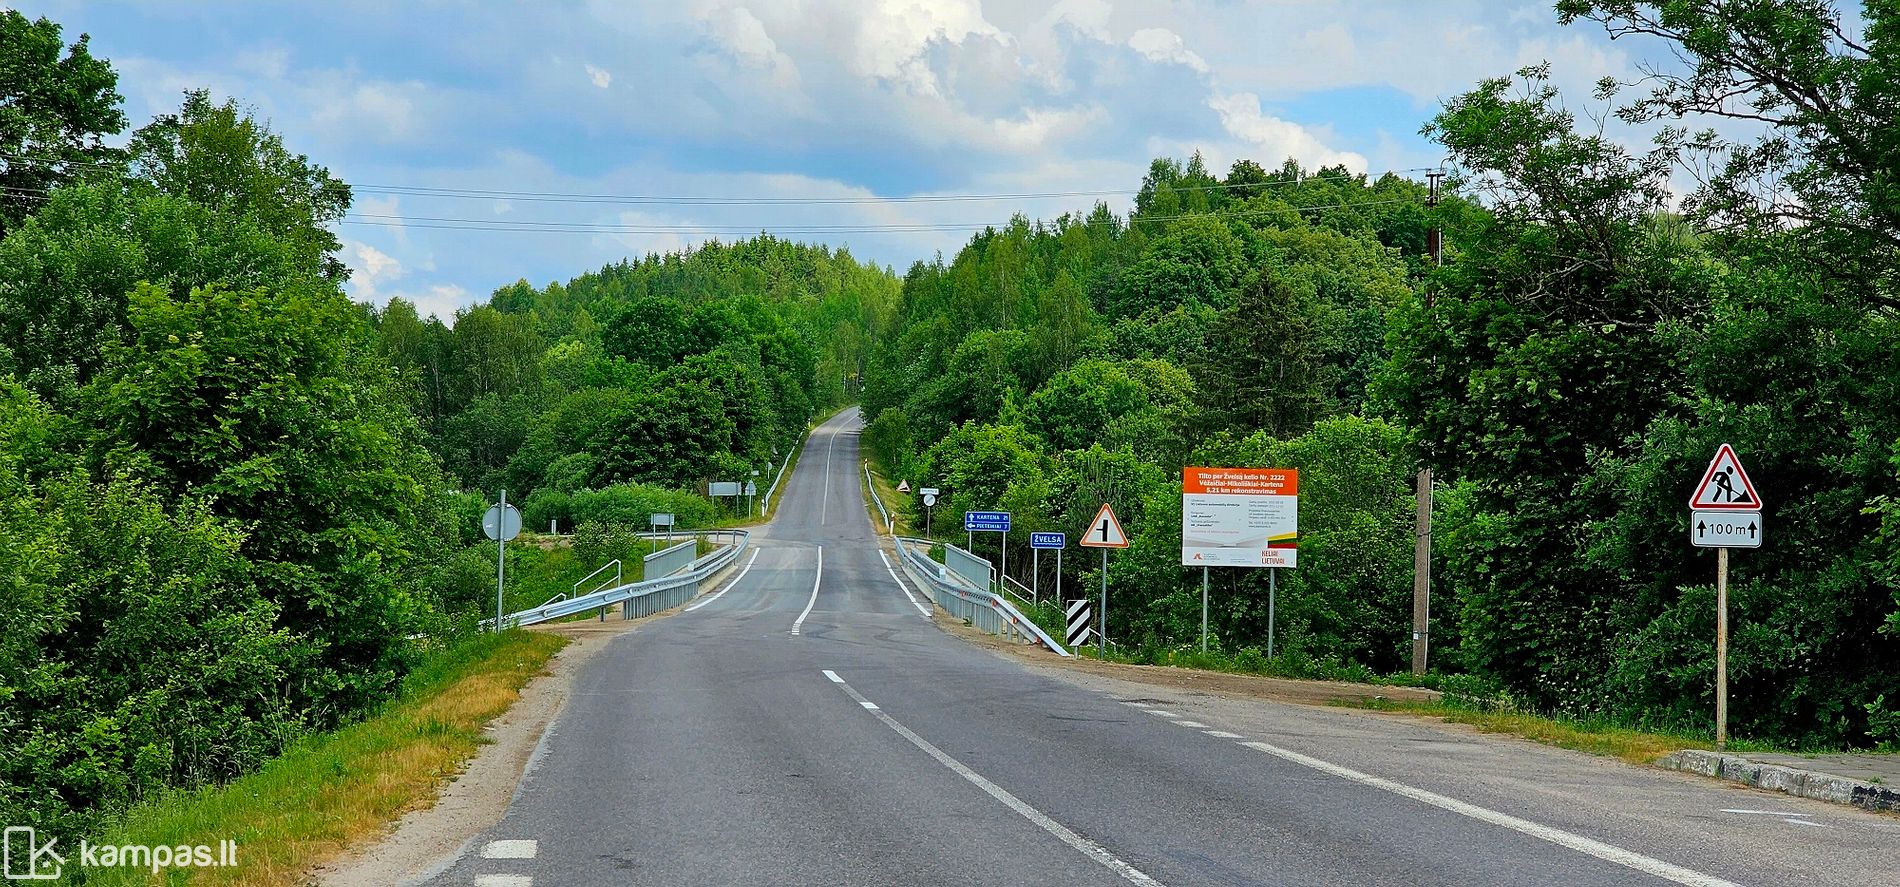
810,726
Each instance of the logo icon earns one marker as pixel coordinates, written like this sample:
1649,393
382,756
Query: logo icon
24,858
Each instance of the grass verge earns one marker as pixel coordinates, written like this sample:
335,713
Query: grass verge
892,499
330,791
1594,737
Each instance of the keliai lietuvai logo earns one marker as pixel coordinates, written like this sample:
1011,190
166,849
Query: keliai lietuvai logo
28,857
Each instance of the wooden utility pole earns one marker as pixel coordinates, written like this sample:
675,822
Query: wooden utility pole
1422,545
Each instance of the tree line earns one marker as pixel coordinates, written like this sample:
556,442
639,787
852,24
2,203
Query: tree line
1567,371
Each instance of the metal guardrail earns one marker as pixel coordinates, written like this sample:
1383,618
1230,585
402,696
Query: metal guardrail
642,598
765,501
982,608
1022,593
875,500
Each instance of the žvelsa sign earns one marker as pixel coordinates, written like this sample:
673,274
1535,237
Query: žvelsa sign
29,856
1240,517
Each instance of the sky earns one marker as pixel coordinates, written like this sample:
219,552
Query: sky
491,142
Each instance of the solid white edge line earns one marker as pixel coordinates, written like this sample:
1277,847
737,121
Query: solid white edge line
729,585
1587,846
819,577
1221,734
921,609
1087,847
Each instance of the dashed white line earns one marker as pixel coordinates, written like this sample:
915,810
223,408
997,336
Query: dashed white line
832,676
1159,712
800,621
900,584
504,881
1197,725
735,581
1579,843
1764,812
1805,822
510,849
1221,734
1087,847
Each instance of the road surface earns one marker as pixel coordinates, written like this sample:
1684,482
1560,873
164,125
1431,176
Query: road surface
809,725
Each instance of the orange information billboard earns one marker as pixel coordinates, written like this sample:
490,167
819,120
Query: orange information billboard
1240,517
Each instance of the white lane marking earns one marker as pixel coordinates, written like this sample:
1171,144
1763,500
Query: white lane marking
1194,724
504,881
814,591
1579,843
1221,734
1805,822
510,849
1087,847
1160,712
833,676
729,585
1765,812
1135,704
900,584
826,505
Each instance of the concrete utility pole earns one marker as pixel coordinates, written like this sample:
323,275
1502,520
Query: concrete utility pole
1422,549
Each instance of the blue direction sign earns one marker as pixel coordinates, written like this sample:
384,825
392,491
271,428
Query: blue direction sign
1048,540
986,521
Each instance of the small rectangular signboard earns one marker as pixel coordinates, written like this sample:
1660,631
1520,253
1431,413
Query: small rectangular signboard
1047,540
661,519
1725,529
986,521
723,488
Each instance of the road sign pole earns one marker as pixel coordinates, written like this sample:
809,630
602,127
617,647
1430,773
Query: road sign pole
1003,576
1101,641
1203,609
1035,576
1273,576
501,555
1721,649
1058,577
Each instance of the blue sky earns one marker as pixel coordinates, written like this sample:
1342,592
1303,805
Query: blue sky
768,101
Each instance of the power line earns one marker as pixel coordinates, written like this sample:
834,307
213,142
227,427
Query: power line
707,200
527,226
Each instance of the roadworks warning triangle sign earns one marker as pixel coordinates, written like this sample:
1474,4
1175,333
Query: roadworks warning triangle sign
1105,531
1725,486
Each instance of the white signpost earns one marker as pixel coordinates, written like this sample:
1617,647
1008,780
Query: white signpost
1240,517
1724,513
930,502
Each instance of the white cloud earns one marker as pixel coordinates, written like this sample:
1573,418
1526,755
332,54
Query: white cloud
600,77
441,300
1163,45
894,36
371,270
1276,139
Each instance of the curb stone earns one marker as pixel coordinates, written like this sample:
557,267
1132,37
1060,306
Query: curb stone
1788,780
